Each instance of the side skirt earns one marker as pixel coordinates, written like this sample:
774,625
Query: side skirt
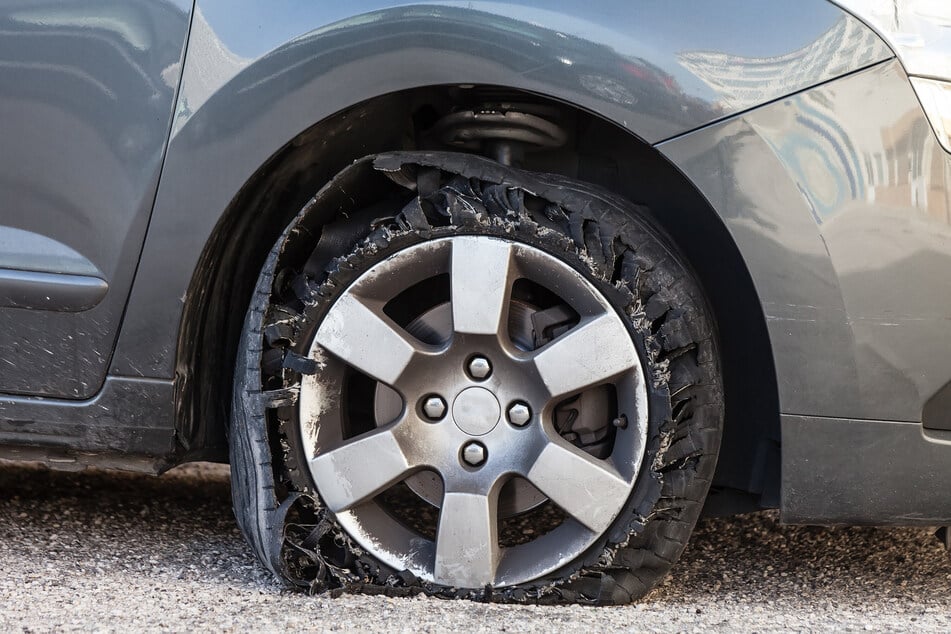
845,471
129,424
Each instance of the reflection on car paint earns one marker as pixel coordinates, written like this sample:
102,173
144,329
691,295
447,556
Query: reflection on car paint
743,81
850,205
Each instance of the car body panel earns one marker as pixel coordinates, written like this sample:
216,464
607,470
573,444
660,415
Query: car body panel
850,471
845,224
128,424
252,83
86,98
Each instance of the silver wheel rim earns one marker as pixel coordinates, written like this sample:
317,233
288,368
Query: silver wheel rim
481,440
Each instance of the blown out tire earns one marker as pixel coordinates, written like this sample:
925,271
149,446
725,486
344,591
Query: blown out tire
287,363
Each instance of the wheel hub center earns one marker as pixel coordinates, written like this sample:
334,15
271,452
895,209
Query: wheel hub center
476,411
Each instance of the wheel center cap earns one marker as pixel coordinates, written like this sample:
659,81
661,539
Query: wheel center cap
476,411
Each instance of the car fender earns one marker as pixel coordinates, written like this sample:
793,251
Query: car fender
258,74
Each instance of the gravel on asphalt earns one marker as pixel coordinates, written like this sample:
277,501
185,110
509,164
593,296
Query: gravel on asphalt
110,551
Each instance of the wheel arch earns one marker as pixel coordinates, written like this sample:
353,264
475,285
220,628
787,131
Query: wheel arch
604,154
252,88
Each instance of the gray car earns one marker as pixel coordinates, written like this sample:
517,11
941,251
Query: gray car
484,299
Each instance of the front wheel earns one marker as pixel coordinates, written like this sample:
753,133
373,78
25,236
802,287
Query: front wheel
507,388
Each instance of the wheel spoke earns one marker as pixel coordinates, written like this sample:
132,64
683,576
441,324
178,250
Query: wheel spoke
366,339
585,487
361,468
481,286
467,544
592,352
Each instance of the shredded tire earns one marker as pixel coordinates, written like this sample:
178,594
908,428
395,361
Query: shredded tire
614,243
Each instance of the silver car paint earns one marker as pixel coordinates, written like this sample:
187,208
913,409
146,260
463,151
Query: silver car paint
838,199
86,98
252,84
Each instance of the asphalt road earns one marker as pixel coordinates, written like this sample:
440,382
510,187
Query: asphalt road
119,552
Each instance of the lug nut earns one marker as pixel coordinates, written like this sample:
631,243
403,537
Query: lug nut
479,368
434,407
519,414
474,454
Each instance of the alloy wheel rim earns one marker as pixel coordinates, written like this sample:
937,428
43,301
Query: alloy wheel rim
477,409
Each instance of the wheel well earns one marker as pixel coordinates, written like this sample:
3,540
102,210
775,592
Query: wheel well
597,151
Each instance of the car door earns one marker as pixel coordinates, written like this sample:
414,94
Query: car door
87,90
